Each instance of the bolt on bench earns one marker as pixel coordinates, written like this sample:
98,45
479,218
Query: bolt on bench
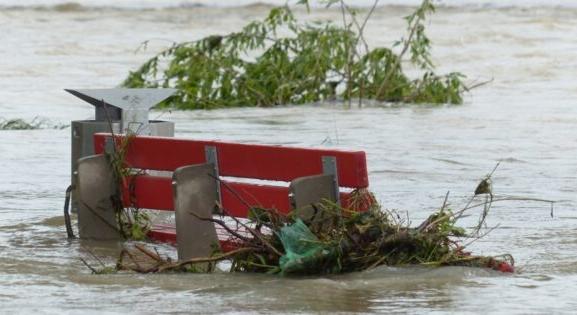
206,173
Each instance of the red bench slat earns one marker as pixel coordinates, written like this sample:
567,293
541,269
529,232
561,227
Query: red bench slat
155,192
242,160
150,192
167,234
163,234
265,196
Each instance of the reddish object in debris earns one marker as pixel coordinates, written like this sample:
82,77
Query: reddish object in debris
163,234
155,192
499,265
505,267
167,234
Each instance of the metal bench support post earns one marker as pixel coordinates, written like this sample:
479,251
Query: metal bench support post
304,192
195,195
330,168
212,158
96,186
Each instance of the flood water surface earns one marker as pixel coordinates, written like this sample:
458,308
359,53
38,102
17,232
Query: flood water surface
525,118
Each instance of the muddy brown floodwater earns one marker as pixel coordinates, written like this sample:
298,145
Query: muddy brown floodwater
526,118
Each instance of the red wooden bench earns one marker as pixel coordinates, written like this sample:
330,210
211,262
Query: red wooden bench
306,169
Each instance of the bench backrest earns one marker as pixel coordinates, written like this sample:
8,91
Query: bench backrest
263,162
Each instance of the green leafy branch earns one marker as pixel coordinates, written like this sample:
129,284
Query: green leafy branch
258,66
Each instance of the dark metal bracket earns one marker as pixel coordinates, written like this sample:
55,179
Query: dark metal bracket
330,168
211,156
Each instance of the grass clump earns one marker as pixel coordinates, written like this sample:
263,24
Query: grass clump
133,222
258,66
21,124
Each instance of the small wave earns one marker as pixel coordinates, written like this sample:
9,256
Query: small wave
449,161
65,7
513,160
68,7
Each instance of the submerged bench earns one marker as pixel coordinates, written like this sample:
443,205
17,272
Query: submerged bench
206,173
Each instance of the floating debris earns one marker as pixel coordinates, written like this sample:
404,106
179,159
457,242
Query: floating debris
21,124
335,240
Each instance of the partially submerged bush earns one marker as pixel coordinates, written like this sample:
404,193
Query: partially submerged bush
21,124
314,62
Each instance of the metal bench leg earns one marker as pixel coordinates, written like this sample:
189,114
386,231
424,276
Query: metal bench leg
195,195
307,192
96,186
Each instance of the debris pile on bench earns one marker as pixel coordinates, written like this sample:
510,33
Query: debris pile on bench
325,222
342,241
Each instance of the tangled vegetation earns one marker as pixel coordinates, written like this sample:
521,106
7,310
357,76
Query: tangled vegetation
133,222
332,240
342,241
281,61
